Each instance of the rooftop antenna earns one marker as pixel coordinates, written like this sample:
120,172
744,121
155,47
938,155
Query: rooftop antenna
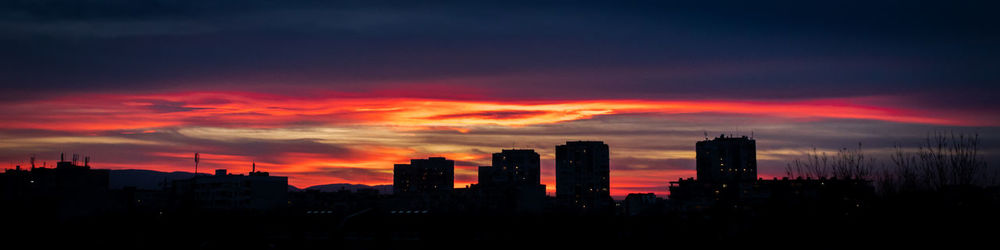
197,158
76,157
254,166
32,161
62,157
86,161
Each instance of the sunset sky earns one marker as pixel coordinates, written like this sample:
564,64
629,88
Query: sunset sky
337,93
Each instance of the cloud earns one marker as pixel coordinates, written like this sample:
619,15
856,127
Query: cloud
626,163
493,115
504,51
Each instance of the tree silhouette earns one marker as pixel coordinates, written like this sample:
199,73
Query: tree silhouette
941,160
845,164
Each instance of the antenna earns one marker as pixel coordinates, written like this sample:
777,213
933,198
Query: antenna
32,161
254,168
86,160
197,158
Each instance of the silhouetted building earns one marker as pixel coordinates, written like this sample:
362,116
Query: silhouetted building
512,183
140,201
422,176
221,192
338,203
68,189
833,196
727,159
512,166
639,203
727,179
583,170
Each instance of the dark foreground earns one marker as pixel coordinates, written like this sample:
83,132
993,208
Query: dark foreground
904,219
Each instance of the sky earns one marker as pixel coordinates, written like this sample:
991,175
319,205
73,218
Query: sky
339,92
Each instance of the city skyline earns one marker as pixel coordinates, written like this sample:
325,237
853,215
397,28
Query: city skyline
300,150
438,124
340,92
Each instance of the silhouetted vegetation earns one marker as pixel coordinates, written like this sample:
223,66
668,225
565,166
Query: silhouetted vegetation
845,164
940,160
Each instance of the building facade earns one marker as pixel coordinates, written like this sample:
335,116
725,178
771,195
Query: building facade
512,166
583,170
424,176
727,159
512,184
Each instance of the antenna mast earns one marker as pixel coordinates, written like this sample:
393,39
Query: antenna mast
197,158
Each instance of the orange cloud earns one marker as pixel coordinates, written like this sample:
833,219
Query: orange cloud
377,131
237,109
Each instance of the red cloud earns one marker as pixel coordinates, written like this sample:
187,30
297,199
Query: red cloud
238,109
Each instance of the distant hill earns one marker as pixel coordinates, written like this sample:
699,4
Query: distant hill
153,180
144,179
382,189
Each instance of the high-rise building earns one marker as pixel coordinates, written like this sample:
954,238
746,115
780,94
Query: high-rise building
727,159
512,183
512,166
424,176
583,171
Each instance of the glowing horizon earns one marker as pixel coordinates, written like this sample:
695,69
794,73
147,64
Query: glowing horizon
318,140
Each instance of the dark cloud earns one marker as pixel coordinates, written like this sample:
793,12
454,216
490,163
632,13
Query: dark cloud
144,146
162,106
500,115
715,49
